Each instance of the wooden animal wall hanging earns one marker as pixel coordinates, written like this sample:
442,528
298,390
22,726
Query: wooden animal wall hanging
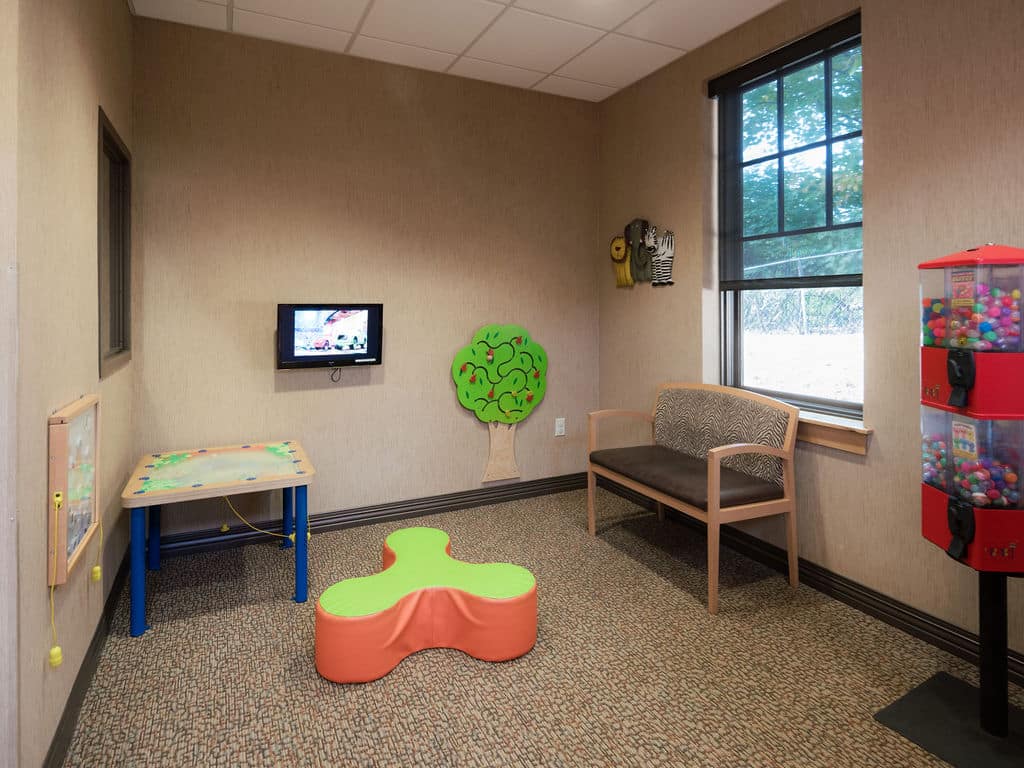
641,256
620,259
501,376
664,254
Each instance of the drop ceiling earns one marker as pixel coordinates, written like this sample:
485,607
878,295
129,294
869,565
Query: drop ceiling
583,49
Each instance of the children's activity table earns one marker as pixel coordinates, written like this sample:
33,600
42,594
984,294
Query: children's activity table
204,473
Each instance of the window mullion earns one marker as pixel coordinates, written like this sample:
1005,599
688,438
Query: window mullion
829,221
780,163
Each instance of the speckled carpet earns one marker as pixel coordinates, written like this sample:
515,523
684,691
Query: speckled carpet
629,670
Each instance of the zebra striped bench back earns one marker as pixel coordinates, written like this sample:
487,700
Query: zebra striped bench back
695,418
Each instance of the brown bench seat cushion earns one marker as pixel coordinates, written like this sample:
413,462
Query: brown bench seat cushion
682,476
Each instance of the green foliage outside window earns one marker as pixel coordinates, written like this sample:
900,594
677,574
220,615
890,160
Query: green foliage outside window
797,153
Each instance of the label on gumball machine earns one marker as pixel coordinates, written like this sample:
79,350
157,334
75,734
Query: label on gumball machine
962,288
965,441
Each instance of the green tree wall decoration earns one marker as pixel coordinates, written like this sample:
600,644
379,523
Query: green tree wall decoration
501,376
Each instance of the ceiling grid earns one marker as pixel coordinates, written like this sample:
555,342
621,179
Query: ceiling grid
583,49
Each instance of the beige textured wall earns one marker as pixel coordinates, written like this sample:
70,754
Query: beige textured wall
8,382
268,173
73,57
943,91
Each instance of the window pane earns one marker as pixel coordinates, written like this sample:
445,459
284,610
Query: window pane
836,252
846,73
848,181
106,328
804,106
805,341
761,198
804,180
760,115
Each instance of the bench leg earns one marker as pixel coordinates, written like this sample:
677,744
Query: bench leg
660,510
713,531
591,489
791,547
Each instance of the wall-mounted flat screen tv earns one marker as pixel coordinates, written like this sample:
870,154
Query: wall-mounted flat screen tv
329,335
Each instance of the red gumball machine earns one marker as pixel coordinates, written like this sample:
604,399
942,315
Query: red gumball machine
972,436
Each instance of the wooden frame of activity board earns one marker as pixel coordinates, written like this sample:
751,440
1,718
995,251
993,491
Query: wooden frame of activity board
59,562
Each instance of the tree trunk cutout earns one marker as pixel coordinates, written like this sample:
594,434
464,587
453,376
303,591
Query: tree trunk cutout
501,461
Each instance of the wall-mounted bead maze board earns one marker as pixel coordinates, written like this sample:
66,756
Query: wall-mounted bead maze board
72,506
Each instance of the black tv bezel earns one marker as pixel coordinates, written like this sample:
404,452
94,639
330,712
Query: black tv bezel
286,358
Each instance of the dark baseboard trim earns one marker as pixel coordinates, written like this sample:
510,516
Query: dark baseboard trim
214,539
923,626
61,741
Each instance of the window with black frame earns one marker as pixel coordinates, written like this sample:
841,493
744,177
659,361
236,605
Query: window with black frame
114,248
790,185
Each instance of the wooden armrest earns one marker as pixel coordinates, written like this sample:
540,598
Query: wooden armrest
595,417
717,454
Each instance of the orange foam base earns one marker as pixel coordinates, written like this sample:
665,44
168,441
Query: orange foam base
364,648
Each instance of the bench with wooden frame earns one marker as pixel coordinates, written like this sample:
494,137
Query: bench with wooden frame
718,454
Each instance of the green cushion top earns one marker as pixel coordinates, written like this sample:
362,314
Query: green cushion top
422,563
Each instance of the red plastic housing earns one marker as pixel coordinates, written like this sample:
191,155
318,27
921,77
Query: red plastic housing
998,534
985,254
997,394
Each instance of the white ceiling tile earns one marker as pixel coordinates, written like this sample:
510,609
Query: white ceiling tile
495,73
691,23
528,40
618,61
574,89
606,14
337,14
396,53
213,15
286,31
443,25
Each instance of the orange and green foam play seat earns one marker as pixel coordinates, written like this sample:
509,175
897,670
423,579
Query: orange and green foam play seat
423,599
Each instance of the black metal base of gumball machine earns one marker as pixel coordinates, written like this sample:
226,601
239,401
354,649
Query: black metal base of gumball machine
966,726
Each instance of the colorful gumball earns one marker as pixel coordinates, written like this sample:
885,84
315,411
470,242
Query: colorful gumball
934,459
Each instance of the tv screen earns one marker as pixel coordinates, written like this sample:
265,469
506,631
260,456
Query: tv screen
328,335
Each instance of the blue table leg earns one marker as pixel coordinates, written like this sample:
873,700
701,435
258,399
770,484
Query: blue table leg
137,543
286,519
153,547
301,527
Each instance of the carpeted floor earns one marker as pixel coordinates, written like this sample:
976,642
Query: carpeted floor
629,670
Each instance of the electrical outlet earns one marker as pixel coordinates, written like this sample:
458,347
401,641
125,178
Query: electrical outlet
560,426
